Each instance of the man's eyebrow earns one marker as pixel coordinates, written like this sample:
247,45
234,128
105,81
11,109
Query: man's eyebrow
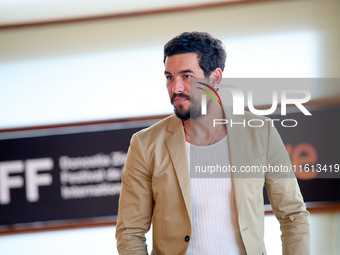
186,71
181,72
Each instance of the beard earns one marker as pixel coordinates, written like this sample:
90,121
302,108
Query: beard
193,112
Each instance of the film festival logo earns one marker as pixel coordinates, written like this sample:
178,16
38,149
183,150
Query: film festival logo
238,104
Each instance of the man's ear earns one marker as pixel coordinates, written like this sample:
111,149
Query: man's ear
216,75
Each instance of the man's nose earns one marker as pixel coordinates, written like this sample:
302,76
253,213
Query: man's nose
178,86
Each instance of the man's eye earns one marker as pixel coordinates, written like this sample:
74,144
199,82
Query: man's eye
187,76
168,77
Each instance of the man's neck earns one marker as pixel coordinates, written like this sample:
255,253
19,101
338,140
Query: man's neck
201,131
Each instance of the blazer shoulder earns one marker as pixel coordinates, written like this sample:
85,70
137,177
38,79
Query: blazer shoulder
247,115
252,122
158,129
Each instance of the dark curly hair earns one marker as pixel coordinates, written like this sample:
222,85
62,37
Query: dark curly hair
210,50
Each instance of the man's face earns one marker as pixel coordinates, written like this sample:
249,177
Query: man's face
178,71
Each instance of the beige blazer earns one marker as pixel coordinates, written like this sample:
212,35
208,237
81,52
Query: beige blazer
156,187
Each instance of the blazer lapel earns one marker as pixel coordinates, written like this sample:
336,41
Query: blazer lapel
242,150
236,146
177,149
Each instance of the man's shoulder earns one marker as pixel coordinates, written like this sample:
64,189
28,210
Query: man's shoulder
250,120
246,116
250,125
158,128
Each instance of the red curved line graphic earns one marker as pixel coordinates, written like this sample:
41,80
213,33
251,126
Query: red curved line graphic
213,90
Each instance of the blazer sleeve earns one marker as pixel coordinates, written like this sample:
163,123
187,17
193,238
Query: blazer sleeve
135,202
286,199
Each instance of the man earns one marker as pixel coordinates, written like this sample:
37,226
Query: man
204,215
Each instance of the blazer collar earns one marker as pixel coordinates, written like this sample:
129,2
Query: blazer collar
236,144
238,154
177,149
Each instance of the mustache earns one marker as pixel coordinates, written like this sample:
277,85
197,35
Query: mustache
174,95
